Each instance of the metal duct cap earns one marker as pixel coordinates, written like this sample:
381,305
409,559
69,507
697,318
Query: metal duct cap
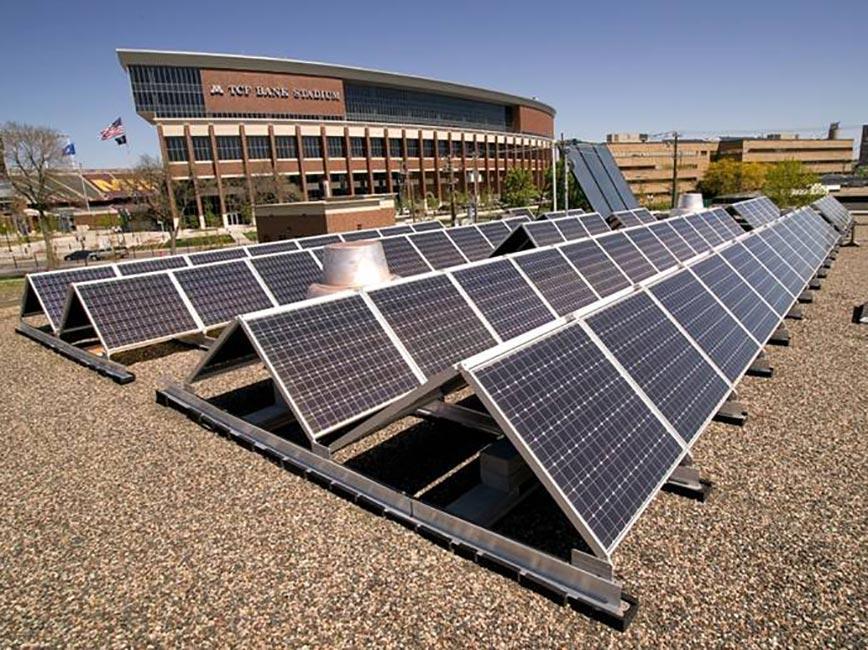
687,203
349,265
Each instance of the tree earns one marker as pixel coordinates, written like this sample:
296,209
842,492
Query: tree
790,184
266,189
33,154
576,196
727,176
148,186
518,188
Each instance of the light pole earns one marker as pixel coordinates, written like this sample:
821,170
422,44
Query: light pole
449,169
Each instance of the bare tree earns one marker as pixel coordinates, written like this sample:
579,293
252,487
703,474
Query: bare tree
266,189
149,187
33,154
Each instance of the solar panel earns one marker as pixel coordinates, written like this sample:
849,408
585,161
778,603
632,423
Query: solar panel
756,317
653,249
470,242
775,264
604,182
52,288
324,355
625,219
704,228
424,226
288,275
273,247
674,243
662,361
586,181
689,235
726,226
594,223
438,249
402,258
792,257
616,176
153,264
433,321
718,334
627,256
395,230
219,255
318,242
220,292
505,298
543,233
494,231
556,280
514,222
805,247
582,429
135,309
358,235
834,212
570,228
596,267
645,215
756,212
757,276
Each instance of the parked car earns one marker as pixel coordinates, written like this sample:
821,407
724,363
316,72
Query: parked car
80,256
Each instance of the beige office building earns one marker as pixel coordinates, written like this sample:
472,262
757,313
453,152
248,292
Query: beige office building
822,156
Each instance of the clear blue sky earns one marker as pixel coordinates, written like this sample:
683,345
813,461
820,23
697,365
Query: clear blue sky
605,66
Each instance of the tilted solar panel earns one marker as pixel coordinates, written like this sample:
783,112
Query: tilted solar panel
674,243
653,248
288,275
395,230
582,429
403,259
645,215
792,257
596,267
273,247
662,361
775,264
318,242
625,219
543,233
556,280
603,181
570,228
806,248
470,242
701,224
358,235
494,231
616,176
153,264
726,226
438,249
218,255
689,234
504,297
219,293
324,355
757,276
594,224
424,226
586,181
628,258
718,334
433,321
52,288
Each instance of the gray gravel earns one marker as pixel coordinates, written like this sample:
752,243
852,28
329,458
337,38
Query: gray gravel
124,524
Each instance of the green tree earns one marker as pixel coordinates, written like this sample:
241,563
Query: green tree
518,188
727,176
790,184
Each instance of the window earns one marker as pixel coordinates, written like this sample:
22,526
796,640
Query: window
412,147
336,145
228,147
167,91
202,147
489,149
396,147
457,148
443,148
378,147
258,147
358,148
428,148
312,146
176,148
286,146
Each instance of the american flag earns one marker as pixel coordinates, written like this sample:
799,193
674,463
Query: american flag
113,130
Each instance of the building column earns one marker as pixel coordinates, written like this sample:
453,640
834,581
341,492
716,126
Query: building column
245,159
423,189
325,163
217,176
389,185
170,186
348,161
487,167
272,143
497,165
191,166
368,162
299,150
437,189
463,164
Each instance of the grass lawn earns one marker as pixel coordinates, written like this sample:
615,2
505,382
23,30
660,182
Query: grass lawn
10,291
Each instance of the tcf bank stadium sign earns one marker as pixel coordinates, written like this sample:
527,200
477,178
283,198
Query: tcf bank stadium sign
276,92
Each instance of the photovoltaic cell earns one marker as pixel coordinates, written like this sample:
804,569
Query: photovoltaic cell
494,231
570,228
273,247
153,264
221,292
587,182
470,242
596,267
135,309
514,222
594,224
582,428
433,321
775,264
543,233
627,256
804,247
358,235
395,230
402,258
737,296
704,228
792,257
437,248
662,361
218,255
645,215
604,182
616,176
689,235
672,240
424,226
756,275
288,275
326,355
504,297
52,288
626,219
726,226
556,280
653,249
318,242
701,316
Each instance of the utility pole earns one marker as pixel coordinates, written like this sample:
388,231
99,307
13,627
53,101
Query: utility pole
566,174
475,202
554,179
674,169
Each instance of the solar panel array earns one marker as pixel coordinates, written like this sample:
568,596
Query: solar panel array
46,292
756,212
601,181
551,231
834,212
629,218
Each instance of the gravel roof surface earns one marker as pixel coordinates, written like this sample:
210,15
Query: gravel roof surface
122,523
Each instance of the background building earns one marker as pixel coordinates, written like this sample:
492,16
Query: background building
822,156
225,121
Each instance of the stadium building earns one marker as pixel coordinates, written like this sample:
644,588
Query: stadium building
229,124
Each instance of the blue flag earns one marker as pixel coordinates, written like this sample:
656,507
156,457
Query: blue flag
69,149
